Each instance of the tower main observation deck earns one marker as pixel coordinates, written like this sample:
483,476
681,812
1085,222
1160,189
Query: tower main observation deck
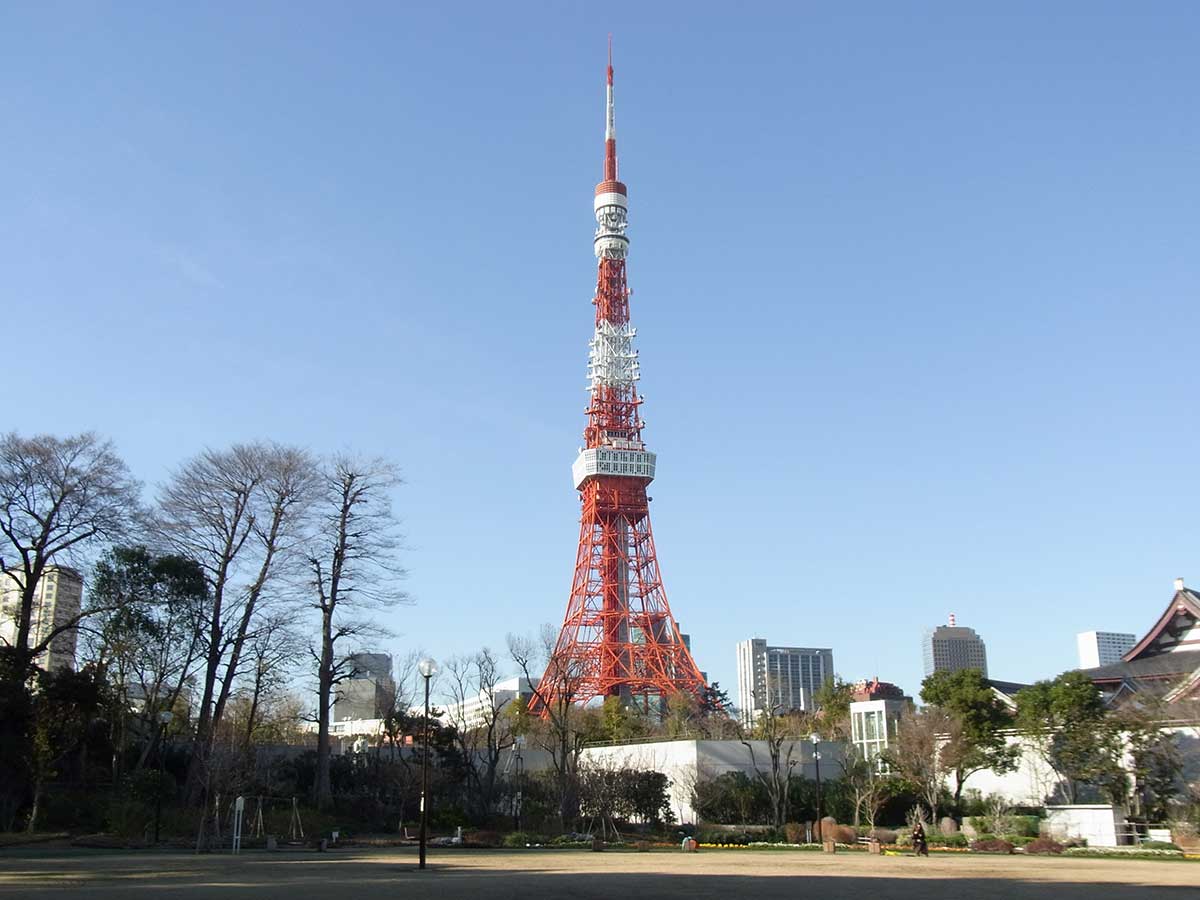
618,636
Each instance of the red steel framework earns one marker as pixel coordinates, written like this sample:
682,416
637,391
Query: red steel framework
618,636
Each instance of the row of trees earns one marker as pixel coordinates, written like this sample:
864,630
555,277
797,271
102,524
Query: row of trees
252,564
204,603
1094,752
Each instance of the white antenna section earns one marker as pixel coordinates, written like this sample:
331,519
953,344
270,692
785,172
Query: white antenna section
612,361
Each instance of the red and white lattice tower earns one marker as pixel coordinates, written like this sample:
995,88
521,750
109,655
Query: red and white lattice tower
618,637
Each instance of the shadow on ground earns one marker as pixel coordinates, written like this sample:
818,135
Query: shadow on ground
612,877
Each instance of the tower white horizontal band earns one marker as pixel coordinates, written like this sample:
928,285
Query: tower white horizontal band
600,461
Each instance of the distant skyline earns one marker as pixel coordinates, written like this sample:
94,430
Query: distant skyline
915,290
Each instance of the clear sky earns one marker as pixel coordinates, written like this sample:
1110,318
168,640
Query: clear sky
915,285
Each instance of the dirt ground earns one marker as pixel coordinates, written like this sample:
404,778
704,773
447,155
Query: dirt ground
392,873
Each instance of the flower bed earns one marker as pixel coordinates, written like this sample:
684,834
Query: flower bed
1124,852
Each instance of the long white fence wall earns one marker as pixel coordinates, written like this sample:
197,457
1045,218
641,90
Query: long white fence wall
686,763
1031,783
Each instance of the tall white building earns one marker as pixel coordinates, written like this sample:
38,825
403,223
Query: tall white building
476,711
1102,648
57,600
949,648
779,677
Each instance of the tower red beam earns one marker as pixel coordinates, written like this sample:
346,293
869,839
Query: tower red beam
618,636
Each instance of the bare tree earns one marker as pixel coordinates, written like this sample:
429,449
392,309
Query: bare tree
274,648
917,755
867,781
58,497
481,727
237,512
783,732
352,566
563,728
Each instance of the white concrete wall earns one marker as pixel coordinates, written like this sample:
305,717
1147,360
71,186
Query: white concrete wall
675,759
687,762
1096,823
1030,784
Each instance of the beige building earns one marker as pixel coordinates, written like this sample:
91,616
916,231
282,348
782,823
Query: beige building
58,600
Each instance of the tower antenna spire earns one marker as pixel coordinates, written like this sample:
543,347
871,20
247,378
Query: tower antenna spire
610,125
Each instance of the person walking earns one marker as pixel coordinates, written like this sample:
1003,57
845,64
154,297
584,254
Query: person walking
920,844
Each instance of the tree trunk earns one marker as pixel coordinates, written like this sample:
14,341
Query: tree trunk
323,788
204,726
37,802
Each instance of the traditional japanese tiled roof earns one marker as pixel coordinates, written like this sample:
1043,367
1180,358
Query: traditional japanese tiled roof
1180,617
1157,667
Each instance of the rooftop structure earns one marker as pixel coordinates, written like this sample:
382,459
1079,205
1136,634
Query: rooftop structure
874,689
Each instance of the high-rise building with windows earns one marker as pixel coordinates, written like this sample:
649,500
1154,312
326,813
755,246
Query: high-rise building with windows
1102,648
781,678
951,647
369,692
56,602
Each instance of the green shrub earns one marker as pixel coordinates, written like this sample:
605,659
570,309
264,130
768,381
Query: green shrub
129,818
713,836
520,839
1024,826
1158,845
947,840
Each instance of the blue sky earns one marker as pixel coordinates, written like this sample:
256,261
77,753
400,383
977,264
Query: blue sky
915,288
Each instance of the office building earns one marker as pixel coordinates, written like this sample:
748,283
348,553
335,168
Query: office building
951,647
369,692
1102,648
57,601
779,678
474,712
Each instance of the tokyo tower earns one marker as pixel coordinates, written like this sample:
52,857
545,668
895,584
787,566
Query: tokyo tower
618,637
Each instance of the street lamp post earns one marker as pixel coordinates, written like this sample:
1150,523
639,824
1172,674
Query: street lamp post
428,668
519,744
816,742
164,719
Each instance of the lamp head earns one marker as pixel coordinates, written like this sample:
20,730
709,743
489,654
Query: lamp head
165,717
427,667
815,738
